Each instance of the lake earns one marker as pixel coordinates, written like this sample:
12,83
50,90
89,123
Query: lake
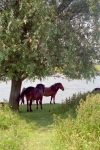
71,87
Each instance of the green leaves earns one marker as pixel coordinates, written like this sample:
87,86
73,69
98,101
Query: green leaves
38,36
26,26
1,56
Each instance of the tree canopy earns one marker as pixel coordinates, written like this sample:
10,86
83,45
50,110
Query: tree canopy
37,36
25,31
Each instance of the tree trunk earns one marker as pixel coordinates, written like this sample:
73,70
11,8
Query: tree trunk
14,94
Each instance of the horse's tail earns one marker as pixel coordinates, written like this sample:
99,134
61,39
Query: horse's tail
22,94
18,98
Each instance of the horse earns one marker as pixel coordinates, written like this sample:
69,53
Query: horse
52,91
96,90
33,93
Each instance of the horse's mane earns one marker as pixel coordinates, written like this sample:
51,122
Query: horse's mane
54,86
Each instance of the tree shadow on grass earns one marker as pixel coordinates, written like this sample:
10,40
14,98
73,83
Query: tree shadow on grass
39,117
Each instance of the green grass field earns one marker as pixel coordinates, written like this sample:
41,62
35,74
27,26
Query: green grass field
27,130
74,125
42,118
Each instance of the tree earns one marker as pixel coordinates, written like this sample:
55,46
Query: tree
79,31
37,36
25,29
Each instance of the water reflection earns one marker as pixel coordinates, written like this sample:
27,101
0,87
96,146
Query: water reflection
71,87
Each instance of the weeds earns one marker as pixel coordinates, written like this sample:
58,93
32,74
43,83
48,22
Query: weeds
70,105
82,132
76,126
13,130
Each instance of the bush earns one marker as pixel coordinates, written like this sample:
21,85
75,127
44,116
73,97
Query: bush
82,132
14,131
70,104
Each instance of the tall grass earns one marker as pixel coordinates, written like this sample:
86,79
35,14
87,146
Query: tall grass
26,130
70,104
14,132
76,126
82,132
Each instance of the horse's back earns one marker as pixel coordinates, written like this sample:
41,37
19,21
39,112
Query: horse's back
27,91
96,89
52,90
31,94
47,91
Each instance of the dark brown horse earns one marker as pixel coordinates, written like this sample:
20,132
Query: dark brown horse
96,90
52,91
33,93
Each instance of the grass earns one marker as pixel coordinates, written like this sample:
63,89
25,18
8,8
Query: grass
41,117
73,125
42,120
69,106
27,130
83,131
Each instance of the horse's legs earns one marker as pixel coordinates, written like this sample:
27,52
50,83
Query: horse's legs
30,105
54,99
41,103
51,100
27,106
37,104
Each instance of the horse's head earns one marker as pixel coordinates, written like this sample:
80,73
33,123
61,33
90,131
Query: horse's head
61,86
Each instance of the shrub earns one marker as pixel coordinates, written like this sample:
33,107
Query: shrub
82,132
14,131
70,104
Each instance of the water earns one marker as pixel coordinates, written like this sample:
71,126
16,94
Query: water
71,87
